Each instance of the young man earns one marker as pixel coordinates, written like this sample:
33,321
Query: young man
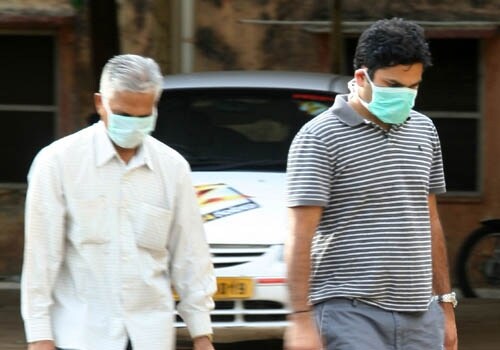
112,223
367,266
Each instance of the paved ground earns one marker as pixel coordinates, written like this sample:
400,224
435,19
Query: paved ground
478,323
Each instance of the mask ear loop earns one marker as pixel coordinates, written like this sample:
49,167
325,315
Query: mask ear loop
365,71
351,85
363,102
353,88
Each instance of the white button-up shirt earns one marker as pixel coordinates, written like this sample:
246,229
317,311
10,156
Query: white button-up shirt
106,241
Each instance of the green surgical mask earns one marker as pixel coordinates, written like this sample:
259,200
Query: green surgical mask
391,105
127,131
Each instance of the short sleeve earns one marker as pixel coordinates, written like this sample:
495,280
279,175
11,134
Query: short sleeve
309,171
437,182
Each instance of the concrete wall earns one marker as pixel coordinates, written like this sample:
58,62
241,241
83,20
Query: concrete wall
224,39
145,29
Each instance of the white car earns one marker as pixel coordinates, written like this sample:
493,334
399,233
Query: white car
235,129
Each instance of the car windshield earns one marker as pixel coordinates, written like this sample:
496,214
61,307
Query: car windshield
235,129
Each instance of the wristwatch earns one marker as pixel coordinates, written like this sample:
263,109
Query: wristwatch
448,298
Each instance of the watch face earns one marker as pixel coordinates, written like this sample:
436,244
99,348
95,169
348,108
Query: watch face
449,298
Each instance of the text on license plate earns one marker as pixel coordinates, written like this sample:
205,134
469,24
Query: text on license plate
233,288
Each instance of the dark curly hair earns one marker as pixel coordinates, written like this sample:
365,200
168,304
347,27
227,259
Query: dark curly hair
391,42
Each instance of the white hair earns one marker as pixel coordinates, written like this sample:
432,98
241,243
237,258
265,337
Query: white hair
131,73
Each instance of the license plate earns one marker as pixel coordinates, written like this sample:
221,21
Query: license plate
233,288
230,288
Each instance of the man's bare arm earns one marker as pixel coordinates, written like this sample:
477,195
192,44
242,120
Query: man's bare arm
440,269
303,222
440,272
302,333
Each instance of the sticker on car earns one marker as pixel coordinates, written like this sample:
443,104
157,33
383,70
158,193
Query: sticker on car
220,200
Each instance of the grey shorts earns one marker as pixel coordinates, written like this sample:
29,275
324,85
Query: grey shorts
347,324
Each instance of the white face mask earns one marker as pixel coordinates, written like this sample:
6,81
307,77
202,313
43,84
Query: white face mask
127,131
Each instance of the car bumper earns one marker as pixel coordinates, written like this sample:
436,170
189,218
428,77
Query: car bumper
258,318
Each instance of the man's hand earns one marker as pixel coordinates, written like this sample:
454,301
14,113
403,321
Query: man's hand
450,327
42,345
302,333
202,343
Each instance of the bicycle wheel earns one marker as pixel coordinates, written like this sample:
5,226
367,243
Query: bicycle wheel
479,264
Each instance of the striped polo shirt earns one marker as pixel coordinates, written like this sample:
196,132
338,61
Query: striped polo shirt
373,242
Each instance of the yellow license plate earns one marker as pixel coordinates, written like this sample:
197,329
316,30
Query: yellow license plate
233,288
230,288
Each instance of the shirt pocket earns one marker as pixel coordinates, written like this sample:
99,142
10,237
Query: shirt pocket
151,226
90,222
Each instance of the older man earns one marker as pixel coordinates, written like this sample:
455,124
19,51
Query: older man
112,224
